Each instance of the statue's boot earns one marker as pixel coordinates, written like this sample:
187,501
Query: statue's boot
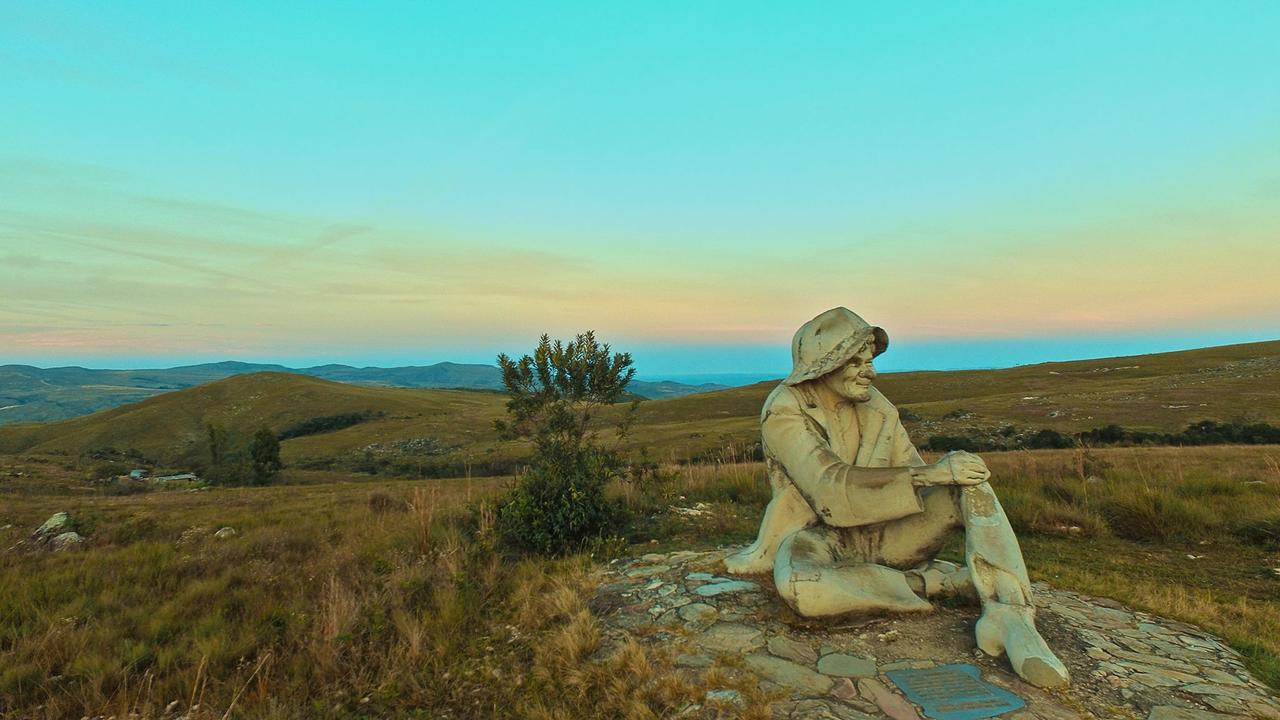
1011,630
999,573
939,578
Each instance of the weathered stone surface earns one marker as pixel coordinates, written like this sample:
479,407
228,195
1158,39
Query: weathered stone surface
57,524
698,612
793,650
845,689
647,571
842,665
693,660
66,541
1111,681
731,638
789,674
889,702
1170,712
823,710
729,586
1212,689
724,697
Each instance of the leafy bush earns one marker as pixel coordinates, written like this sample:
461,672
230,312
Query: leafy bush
1045,439
947,443
327,423
558,504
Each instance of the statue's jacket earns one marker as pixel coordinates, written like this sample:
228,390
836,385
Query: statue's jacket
814,448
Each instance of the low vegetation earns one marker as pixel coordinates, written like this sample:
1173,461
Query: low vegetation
1158,394
328,601
330,598
327,424
1205,432
558,503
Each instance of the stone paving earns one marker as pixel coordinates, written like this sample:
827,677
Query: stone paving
1124,664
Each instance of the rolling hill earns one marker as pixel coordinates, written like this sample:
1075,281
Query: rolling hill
1163,392
31,394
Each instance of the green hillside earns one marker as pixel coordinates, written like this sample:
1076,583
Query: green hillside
418,428
32,394
173,425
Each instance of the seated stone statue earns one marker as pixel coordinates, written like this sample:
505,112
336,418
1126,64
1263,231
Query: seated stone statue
857,516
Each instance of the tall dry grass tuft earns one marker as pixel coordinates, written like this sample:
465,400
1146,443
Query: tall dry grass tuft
338,608
423,508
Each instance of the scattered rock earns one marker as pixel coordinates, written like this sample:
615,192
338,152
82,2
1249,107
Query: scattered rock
1170,712
731,638
66,541
647,571
693,660
730,586
1124,663
57,524
698,613
793,650
789,674
889,702
888,636
841,665
225,533
725,697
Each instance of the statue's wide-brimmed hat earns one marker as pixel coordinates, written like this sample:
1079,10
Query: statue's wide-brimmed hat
827,342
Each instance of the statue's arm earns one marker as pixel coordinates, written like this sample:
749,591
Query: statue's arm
842,494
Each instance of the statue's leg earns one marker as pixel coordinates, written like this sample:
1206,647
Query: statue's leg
999,575
816,579
913,543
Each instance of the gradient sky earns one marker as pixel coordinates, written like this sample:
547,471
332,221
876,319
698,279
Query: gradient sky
405,183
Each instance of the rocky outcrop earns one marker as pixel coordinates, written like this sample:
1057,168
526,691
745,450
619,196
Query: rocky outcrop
1124,663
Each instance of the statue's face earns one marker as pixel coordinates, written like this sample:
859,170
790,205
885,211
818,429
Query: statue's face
853,381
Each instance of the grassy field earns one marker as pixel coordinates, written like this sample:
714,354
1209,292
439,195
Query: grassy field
377,598
331,600
444,432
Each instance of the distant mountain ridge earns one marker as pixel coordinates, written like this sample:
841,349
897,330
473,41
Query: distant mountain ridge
32,394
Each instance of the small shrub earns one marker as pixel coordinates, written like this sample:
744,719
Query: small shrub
327,424
133,530
1264,532
1047,439
1149,515
559,503
381,502
556,507
947,443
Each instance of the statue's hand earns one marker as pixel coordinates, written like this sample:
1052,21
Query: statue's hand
955,468
966,468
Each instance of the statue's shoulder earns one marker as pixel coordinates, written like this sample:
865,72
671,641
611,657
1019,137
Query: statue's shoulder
784,398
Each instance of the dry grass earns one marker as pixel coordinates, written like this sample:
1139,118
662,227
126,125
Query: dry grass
328,603
322,605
